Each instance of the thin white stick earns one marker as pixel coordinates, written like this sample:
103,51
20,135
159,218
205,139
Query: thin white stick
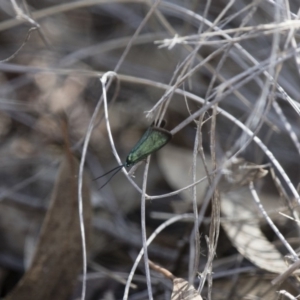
80,205
111,140
149,241
287,294
21,15
177,191
21,47
194,237
80,176
143,227
272,225
288,217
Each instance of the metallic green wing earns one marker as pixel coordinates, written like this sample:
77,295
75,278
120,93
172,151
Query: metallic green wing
152,140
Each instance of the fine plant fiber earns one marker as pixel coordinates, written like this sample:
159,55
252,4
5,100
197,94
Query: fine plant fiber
193,218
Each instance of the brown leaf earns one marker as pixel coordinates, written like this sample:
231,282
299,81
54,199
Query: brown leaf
238,172
182,290
248,238
247,287
174,162
58,257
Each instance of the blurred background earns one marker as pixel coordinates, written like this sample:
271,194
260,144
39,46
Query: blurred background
51,58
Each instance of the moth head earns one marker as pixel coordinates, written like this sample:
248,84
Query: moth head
128,161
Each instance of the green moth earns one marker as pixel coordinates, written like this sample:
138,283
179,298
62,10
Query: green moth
151,141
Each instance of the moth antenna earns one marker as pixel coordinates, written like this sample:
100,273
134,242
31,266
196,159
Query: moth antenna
118,167
109,179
